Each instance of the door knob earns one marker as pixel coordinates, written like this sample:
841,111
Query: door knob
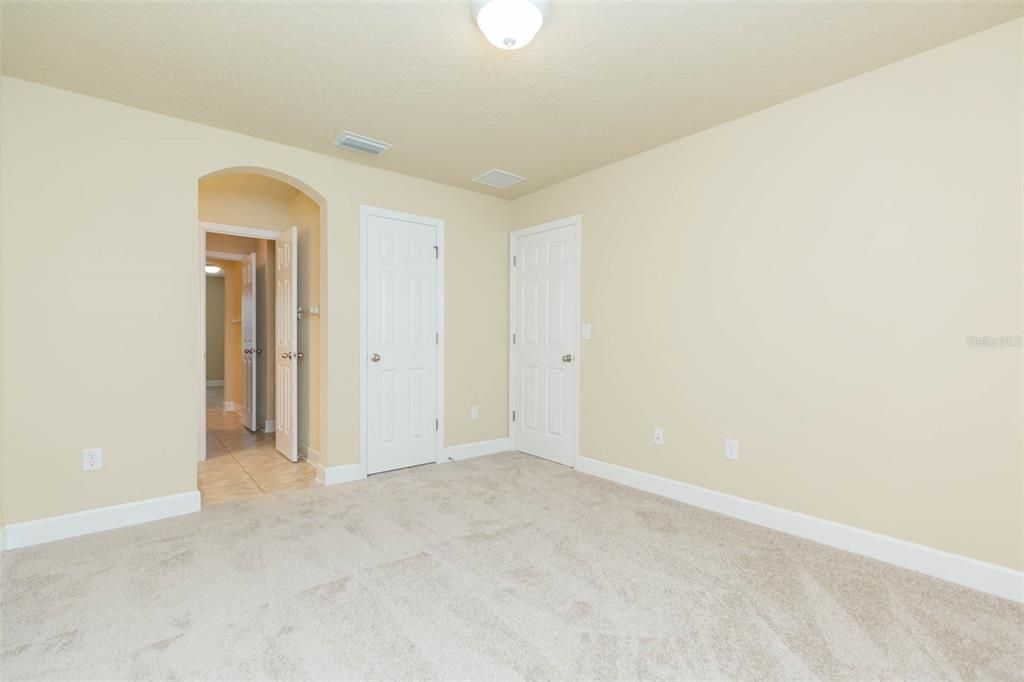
286,355
567,357
375,358
298,355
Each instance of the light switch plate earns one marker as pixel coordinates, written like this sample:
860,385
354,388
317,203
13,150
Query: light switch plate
586,330
474,412
732,449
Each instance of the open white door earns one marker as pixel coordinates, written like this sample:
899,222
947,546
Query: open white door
286,334
249,342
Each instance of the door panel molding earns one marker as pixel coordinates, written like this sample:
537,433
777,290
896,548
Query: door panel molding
365,213
573,427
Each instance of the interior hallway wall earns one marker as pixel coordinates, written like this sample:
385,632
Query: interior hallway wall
232,321
808,279
214,328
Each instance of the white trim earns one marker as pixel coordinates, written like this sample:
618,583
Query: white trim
210,383
226,255
240,230
364,212
576,222
345,473
3,538
979,575
309,454
477,449
269,426
72,525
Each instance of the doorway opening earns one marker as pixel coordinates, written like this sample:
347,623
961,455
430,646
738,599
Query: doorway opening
261,365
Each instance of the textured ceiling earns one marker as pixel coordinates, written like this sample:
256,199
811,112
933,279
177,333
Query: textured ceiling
600,82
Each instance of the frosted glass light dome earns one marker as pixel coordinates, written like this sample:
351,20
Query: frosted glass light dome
510,24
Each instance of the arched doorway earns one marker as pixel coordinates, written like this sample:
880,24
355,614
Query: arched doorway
261,232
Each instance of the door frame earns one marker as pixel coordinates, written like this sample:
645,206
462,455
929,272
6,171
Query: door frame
576,223
220,228
365,211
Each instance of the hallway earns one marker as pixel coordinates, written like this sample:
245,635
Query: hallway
240,464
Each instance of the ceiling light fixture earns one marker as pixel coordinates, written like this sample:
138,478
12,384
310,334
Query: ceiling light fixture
509,24
213,269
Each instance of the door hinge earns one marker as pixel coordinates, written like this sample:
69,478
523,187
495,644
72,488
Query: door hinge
513,338
437,424
437,338
437,253
513,415
514,259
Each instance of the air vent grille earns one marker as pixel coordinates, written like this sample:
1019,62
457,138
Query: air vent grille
361,143
498,178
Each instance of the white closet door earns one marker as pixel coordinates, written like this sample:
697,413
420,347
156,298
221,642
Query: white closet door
544,293
401,342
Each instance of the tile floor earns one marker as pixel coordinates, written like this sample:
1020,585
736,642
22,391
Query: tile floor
241,464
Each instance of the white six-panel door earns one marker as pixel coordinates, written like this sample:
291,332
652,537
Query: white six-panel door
286,351
544,298
249,342
401,340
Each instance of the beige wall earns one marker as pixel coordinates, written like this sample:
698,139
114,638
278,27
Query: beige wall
117,175
227,243
804,280
3,413
242,208
214,328
233,364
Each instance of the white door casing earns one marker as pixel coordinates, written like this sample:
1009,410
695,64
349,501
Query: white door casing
544,359
402,319
248,407
286,347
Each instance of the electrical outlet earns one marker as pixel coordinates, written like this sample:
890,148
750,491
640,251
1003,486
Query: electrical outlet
474,412
92,459
659,435
732,449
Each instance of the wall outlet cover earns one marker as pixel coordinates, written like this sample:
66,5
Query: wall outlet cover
732,449
659,435
92,459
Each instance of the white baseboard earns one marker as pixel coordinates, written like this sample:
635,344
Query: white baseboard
477,449
214,382
95,520
979,575
3,538
269,426
311,455
345,473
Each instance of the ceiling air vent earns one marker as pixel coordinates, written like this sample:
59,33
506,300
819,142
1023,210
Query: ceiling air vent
498,178
361,143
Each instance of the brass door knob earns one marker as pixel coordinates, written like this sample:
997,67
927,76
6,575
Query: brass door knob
567,357
375,357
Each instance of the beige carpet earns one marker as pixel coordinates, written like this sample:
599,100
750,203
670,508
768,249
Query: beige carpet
500,567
